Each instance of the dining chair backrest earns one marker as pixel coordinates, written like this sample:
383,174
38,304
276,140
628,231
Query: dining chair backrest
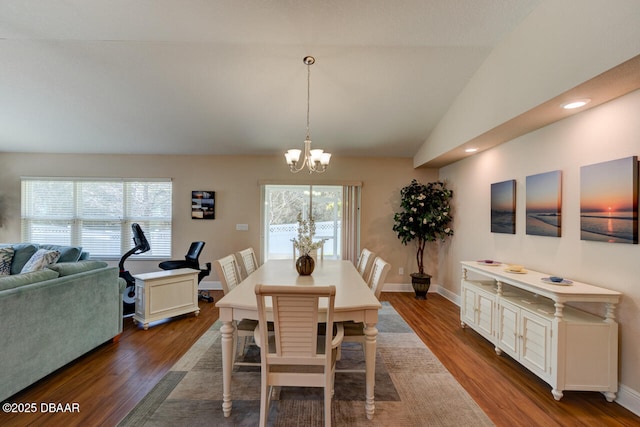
247,259
295,319
228,272
295,341
379,273
365,261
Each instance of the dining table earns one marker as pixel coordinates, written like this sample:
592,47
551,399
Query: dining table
354,301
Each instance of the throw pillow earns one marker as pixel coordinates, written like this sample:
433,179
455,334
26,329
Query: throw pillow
23,253
6,256
40,260
67,253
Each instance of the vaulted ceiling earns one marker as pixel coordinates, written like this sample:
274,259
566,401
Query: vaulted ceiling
227,77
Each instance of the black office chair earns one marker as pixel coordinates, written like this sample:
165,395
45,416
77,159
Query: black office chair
191,261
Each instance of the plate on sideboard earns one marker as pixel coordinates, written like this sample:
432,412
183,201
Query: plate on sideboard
523,271
564,282
489,262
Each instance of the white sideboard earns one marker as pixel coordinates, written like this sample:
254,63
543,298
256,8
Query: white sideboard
529,319
166,293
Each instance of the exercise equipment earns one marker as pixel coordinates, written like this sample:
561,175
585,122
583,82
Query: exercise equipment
141,246
191,260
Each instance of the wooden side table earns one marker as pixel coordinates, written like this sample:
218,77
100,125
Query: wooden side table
166,293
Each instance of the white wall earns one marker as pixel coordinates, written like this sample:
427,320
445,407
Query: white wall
607,132
560,45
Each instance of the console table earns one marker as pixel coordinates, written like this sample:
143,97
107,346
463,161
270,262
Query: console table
527,318
166,293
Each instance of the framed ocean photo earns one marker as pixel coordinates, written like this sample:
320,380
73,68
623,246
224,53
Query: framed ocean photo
609,201
503,207
544,204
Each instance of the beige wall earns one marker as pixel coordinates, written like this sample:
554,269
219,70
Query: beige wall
235,181
607,132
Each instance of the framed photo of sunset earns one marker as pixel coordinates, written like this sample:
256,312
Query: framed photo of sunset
609,201
544,204
503,207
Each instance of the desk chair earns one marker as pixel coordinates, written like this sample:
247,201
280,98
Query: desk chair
229,274
247,260
191,260
295,355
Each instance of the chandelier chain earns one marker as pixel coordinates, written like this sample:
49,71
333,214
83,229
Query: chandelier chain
308,99
315,160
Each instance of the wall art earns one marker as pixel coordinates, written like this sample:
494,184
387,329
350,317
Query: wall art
544,204
609,201
503,207
203,205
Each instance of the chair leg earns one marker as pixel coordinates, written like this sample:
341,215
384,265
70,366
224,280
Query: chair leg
243,345
234,346
328,393
265,399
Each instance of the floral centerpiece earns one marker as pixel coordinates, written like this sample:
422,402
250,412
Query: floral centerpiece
425,217
305,244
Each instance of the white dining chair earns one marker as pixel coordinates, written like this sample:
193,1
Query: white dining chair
365,261
379,272
229,275
295,354
247,261
354,331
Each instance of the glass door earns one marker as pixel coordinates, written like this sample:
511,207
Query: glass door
282,203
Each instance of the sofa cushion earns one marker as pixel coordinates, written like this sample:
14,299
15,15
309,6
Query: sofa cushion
22,253
40,260
67,253
10,282
68,268
6,256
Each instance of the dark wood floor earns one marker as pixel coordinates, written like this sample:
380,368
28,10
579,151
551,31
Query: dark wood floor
108,382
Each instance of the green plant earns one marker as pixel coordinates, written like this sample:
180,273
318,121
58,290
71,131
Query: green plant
425,216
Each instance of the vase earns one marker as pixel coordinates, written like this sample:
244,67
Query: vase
305,265
420,283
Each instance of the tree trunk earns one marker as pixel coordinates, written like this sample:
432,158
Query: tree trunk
420,255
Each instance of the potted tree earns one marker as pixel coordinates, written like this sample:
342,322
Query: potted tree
425,217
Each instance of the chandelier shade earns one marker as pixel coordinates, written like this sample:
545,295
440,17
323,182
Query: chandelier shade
315,160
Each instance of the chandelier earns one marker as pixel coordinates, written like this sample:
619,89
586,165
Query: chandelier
315,160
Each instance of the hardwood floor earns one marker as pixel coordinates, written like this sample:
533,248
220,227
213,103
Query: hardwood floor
109,381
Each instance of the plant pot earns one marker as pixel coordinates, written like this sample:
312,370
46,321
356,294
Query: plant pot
420,283
305,265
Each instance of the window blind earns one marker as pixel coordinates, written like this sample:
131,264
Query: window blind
97,213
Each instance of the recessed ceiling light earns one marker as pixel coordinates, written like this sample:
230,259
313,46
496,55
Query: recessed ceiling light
470,150
575,104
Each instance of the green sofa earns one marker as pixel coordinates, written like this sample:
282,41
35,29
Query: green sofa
54,315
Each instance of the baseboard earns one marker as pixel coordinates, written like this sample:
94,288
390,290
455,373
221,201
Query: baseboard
434,288
628,398
210,286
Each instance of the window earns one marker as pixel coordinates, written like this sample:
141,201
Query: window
97,214
331,206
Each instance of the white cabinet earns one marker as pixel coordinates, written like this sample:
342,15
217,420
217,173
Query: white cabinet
525,336
539,325
163,294
478,307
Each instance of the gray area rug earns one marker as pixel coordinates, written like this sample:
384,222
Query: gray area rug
412,388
